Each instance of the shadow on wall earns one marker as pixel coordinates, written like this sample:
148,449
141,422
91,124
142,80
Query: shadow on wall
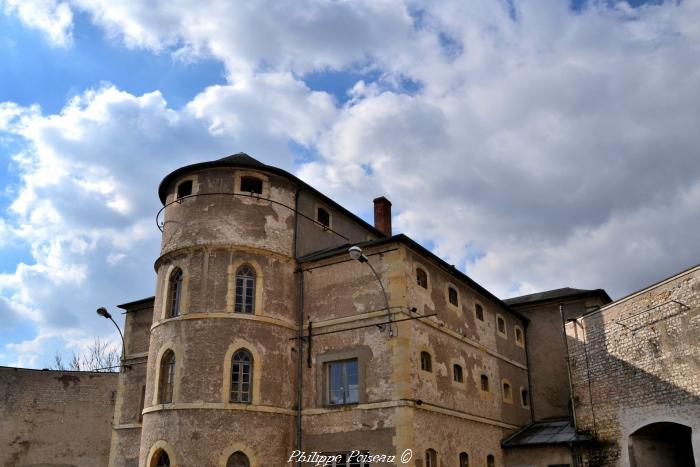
634,389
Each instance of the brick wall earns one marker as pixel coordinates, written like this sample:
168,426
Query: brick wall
55,417
636,362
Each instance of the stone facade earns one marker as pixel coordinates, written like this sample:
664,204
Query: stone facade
55,418
635,366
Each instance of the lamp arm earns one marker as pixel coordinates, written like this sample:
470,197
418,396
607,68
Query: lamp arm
386,298
122,336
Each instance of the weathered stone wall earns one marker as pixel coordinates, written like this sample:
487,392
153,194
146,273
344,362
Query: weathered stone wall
636,362
58,418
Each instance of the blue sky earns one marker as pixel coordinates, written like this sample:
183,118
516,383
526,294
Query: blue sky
535,144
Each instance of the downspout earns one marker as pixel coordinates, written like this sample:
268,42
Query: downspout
574,452
529,380
300,322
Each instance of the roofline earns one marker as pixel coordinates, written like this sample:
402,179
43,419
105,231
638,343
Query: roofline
47,370
643,290
586,293
126,306
401,238
162,188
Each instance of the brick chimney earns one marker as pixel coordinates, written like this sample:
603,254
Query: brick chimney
382,215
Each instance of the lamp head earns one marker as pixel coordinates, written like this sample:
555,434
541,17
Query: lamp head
102,311
356,254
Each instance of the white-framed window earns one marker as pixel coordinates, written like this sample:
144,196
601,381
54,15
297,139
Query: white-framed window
245,290
167,377
242,377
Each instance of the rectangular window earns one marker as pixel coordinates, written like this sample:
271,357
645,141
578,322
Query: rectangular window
251,185
343,382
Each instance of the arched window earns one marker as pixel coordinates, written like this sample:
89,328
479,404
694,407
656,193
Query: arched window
174,293
245,290
463,459
425,362
501,325
490,461
251,185
507,392
238,459
484,383
452,296
167,377
421,278
524,397
479,310
160,459
519,336
457,373
430,458
242,377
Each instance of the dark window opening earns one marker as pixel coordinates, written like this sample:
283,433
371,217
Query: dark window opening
238,459
425,362
457,373
490,461
184,189
161,459
479,312
518,336
242,377
501,325
175,293
524,397
430,458
507,394
343,382
421,278
452,295
464,460
484,383
251,185
323,217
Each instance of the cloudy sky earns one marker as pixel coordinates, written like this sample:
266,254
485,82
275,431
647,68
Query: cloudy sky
535,144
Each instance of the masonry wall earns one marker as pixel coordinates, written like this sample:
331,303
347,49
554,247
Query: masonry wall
58,418
635,363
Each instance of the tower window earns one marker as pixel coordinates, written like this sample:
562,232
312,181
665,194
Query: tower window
519,338
251,185
242,377
457,373
507,392
425,362
245,290
479,311
485,383
490,461
323,217
430,458
452,296
174,293
161,459
167,377
421,278
464,460
184,189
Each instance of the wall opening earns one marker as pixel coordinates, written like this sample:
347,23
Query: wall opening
663,444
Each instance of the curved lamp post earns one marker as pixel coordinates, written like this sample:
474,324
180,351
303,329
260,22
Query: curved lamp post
102,311
355,253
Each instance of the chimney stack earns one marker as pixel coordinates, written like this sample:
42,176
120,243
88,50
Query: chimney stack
382,215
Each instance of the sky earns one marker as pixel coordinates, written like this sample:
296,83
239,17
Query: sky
535,144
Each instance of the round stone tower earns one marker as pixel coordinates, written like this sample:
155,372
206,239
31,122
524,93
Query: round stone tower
221,364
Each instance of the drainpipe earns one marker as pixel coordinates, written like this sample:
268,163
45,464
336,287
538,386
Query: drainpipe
300,313
529,379
574,453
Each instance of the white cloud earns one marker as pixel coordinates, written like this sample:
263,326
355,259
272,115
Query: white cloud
54,19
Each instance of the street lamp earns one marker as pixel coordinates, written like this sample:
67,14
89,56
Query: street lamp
102,311
355,253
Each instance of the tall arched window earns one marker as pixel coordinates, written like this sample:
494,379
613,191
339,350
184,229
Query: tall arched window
174,293
245,290
430,458
242,377
484,383
238,459
490,461
167,377
464,460
160,459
